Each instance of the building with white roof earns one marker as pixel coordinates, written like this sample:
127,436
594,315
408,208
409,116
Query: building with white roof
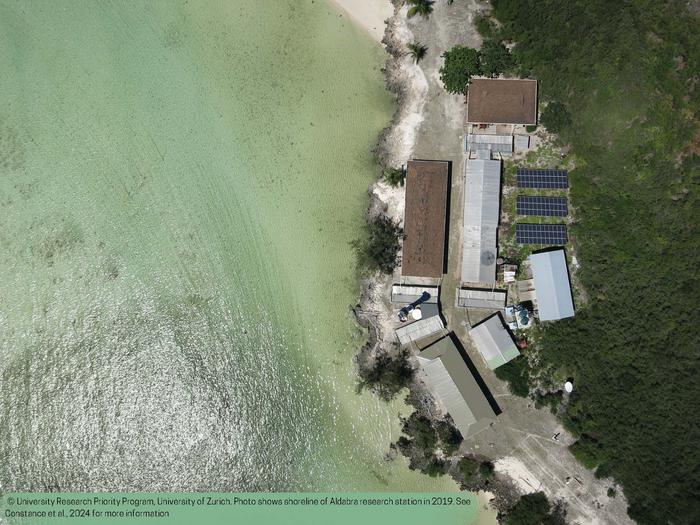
550,277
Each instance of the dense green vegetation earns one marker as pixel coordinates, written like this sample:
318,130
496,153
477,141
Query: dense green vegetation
387,375
419,7
423,439
461,63
619,83
378,249
533,509
517,374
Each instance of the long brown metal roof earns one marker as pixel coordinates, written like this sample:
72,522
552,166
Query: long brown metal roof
424,224
502,101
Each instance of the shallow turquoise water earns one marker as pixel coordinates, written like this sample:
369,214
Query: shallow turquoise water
178,187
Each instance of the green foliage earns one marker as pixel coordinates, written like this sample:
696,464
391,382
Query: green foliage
485,26
531,509
494,59
420,429
420,7
468,467
394,176
435,468
449,436
587,450
626,77
417,51
486,470
379,249
461,63
517,374
531,128
552,400
556,117
611,492
459,66
389,374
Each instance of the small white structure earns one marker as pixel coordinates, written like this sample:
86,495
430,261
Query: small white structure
522,142
568,387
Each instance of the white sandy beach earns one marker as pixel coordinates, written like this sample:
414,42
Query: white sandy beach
368,14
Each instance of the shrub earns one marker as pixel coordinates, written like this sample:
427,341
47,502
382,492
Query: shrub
531,509
388,375
449,436
460,63
517,374
379,249
467,467
555,117
394,176
494,59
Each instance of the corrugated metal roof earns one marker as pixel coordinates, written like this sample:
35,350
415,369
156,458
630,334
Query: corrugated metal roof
552,286
493,341
481,207
406,294
500,143
419,329
452,383
475,298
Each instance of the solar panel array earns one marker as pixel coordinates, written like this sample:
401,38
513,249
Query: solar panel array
542,206
535,178
540,233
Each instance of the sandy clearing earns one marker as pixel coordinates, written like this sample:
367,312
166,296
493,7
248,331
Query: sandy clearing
368,14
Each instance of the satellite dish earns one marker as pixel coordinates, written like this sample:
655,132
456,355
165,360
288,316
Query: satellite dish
417,314
569,387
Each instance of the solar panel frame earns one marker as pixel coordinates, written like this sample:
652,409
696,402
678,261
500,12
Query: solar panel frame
541,178
545,234
542,206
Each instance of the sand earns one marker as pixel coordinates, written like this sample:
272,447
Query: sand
368,14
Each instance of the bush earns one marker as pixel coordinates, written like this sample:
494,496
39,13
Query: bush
388,375
531,509
394,176
460,63
467,467
379,249
555,117
436,467
486,469
587,450
494,59
517,374
449,436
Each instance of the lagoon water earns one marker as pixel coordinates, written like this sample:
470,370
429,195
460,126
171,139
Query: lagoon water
179,183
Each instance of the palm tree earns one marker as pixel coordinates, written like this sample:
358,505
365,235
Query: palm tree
420,7
417,51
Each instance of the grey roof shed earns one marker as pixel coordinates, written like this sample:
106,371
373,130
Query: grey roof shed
552,286
481,208
448,377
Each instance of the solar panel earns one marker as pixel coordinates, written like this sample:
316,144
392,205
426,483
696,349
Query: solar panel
540,233
542,206
535,178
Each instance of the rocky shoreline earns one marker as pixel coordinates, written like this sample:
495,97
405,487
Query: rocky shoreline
395,146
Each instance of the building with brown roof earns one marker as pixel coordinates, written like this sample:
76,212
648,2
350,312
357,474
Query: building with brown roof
424,223
502,101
